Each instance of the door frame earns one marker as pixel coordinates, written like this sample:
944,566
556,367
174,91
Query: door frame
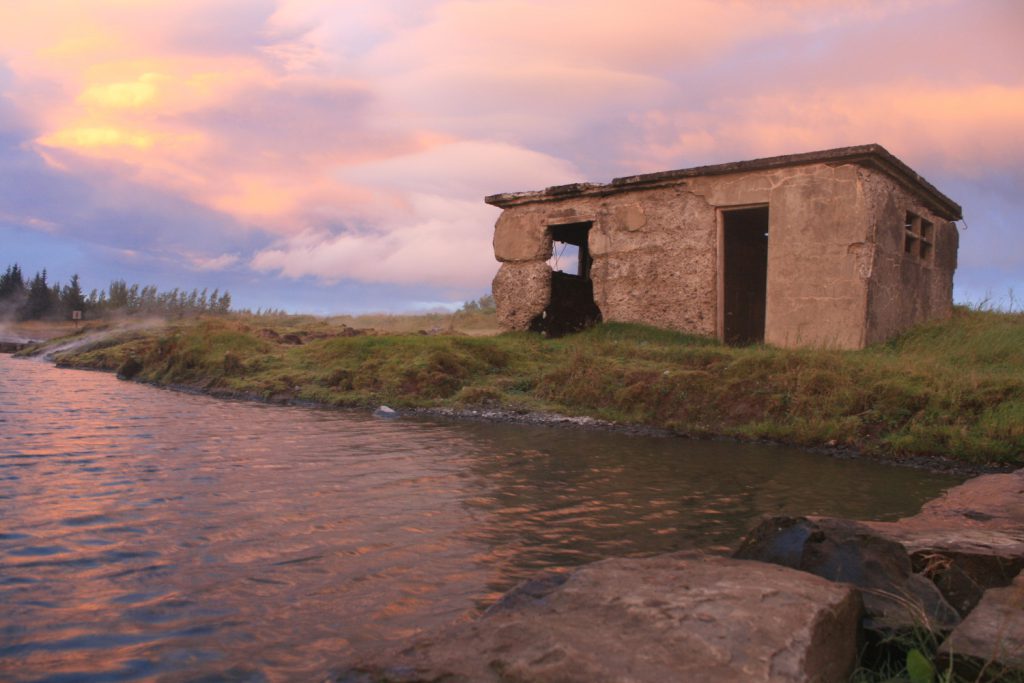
720,212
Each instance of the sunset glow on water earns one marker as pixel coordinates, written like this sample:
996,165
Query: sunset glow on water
151,534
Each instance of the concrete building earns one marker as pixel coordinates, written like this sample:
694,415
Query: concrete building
839,248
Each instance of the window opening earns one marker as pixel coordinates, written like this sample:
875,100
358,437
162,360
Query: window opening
918,238
565,258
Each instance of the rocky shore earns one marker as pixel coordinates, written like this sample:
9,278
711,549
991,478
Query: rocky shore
798,601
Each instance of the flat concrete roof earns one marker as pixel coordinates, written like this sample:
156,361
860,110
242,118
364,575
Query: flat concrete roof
873,156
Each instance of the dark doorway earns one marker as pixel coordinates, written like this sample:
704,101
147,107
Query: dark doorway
572,306
745,276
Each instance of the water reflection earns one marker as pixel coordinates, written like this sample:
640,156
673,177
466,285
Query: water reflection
147,534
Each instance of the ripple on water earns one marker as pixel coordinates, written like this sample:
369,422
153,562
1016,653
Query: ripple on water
151,535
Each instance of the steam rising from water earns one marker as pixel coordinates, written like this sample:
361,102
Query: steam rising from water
11,333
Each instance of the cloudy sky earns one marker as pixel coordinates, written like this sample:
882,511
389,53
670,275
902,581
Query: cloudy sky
332,156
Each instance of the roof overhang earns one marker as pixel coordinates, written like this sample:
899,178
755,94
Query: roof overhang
871,156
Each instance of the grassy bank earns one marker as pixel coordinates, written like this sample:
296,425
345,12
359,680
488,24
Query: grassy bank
953,389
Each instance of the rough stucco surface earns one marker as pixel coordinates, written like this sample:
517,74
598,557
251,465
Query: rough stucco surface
905,291
816,295
521,292
659,270
836,277
521,237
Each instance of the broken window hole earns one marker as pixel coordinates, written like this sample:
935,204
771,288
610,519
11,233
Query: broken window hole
571,307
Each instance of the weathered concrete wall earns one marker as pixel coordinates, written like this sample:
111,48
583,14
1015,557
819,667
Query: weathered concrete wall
654,259
837,276
655,253
905,291
818,261
817,278
653,256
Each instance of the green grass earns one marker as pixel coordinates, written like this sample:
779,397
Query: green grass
954,388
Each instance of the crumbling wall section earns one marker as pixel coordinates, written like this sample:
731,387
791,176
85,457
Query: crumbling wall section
905,289
522,286
653,256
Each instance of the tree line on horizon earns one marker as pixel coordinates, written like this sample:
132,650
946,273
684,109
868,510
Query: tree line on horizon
37,299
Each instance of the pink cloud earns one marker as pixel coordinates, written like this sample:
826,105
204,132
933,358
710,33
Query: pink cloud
358,139
964,129
436,229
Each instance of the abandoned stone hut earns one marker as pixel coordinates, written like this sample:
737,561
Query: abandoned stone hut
839,248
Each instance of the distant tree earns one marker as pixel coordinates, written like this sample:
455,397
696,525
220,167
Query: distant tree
12,284
54,309
485,304
117,295
147,300
223,304
38,298
39,301
71,298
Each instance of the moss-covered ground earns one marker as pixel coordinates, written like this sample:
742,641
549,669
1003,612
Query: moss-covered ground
953,389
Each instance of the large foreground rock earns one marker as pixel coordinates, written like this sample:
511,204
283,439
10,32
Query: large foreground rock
990,641
676,617
895,598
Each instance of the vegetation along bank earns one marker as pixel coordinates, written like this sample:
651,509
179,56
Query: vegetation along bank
953,389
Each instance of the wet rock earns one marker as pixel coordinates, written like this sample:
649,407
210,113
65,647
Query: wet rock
667,618
968,540
895,598
385,412
989,644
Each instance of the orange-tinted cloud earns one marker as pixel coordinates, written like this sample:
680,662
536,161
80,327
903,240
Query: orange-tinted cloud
358,138
967,129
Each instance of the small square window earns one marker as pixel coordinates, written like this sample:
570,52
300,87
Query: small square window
918,238
927,230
